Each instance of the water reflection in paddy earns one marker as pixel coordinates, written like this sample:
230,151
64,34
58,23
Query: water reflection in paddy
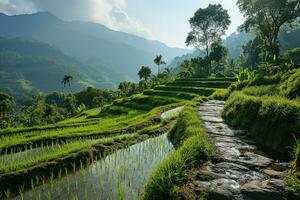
121,175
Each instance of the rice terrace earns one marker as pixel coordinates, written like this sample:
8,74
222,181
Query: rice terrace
92,107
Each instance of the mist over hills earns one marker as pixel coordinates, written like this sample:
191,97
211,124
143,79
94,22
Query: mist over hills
91,52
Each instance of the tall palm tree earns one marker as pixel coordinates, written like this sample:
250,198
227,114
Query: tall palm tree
67,80
159,61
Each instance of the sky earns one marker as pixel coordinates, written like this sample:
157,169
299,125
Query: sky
162,20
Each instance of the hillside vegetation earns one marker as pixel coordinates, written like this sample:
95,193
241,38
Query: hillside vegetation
28,66
124,122
269,108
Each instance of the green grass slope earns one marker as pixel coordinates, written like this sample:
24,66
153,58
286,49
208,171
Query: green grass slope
126,121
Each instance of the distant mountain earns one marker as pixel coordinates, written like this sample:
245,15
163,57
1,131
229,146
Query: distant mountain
115,54
235,42
179,59
30,66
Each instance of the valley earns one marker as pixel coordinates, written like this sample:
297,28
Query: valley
93,106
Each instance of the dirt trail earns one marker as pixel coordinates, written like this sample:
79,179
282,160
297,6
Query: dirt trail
239,169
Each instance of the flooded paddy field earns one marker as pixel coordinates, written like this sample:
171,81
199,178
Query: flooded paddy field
121,175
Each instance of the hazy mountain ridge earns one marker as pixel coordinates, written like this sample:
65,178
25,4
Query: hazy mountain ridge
29,66
90,43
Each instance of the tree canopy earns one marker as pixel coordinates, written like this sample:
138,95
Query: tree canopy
267,18
144,72
218,52
208,25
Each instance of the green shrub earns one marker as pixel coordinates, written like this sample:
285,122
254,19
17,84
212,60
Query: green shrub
291,87
192,148
245,74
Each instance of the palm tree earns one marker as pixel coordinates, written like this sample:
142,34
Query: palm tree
144,73
67,80
159,61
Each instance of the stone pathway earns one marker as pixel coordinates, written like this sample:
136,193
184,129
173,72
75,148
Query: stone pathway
239,170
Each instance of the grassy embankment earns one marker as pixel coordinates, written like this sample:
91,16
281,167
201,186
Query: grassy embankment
126,121
188,137
193,148
269,107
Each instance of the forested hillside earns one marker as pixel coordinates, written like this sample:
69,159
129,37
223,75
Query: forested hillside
27,66
222,124
116,54
235,42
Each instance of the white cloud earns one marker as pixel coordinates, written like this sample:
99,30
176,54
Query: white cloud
112,14
108,12
12,7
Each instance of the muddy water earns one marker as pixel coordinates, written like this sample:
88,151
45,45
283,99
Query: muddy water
240,170
121,175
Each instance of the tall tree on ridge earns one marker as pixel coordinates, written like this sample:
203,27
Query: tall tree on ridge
208,25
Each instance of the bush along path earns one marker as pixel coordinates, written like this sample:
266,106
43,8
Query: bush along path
239,170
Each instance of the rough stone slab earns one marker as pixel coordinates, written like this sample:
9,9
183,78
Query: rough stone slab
212,119
255,192
274,174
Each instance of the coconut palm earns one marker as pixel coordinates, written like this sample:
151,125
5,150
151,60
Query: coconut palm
159,61
67,80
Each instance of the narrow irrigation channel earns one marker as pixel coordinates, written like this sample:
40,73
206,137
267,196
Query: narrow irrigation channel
240,170
120,175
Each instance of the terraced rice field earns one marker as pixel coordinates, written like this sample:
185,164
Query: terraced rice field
108,153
